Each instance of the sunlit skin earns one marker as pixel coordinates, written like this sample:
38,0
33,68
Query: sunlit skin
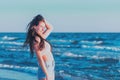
44,58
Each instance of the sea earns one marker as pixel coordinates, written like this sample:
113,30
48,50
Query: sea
78,56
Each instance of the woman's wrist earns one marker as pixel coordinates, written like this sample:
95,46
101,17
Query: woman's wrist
48,25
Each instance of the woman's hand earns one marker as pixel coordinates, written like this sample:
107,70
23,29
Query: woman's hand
47,24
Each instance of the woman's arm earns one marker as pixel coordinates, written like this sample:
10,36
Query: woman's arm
48,30
39,56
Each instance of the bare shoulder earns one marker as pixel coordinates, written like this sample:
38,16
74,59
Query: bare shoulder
36,43
37,39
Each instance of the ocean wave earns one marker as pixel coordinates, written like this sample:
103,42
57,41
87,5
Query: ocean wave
14,48
17,49
8,42
70,42
9,38
20,68
91,42
98,59
60,40
66,46
102,47
95,57
64,75
103,57
119,71
69,54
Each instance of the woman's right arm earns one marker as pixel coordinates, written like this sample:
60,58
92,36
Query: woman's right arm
39,56
48,30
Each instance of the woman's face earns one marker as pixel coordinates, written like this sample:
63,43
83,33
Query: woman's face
41,26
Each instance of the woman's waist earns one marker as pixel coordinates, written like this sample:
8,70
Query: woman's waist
50,65
47,56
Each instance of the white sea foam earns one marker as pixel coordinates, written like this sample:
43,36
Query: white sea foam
91,42
97,57
17,49
119,71
8,42
20,68
102,47
61,40
62,46
8,38
69,54
14,48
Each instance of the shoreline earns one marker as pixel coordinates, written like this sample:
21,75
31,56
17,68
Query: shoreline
15,75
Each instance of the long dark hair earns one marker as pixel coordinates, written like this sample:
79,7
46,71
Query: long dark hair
31,34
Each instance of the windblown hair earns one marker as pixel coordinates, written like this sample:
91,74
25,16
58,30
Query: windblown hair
31,34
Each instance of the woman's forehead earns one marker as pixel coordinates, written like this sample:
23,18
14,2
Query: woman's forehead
41,23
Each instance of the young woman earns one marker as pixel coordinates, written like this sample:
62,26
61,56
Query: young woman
38,30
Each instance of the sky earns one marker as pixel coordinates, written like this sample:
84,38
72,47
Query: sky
64,15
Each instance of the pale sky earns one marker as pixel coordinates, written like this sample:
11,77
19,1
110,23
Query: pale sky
64,15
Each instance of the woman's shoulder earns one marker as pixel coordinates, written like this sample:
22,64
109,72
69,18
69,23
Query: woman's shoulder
38,40
36,43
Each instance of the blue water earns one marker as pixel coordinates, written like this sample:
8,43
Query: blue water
78,56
